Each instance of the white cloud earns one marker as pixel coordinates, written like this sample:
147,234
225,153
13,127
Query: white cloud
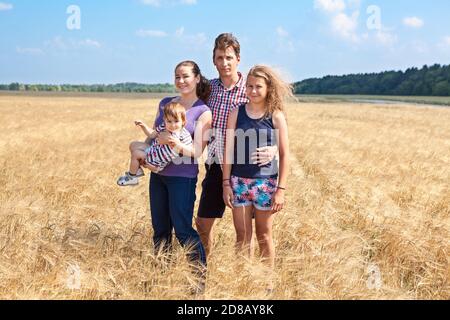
342,24
281,32
344,18
5,6
385,38
90,43
346,26
354,4
189,2
413,22
151,33
179,32
60,44
57,43
447,41
330,6
30,51
153,3
196,39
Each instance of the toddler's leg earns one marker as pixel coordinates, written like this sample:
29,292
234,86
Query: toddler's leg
137,157
137,145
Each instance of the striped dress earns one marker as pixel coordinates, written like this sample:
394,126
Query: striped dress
161,155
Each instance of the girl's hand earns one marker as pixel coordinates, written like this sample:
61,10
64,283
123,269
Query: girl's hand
141,124
228,196
265,155
278,201
163,138
174,142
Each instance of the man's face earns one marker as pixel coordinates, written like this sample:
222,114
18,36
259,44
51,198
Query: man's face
226,62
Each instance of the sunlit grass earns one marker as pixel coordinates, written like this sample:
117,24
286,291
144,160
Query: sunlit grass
369,188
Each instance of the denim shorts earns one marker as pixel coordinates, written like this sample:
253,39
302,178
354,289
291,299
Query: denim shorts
256,192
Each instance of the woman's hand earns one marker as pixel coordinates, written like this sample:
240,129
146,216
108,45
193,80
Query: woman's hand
278,201
150,167
265,155
228,196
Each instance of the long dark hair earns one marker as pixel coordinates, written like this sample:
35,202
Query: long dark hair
203,87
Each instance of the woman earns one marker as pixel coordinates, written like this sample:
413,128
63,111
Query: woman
172,190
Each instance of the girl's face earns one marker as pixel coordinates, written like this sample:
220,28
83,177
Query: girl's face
256,89
173,125
185,80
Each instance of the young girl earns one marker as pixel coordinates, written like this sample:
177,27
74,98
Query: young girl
158,155
247,186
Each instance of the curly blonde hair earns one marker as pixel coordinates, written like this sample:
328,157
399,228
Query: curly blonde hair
278,90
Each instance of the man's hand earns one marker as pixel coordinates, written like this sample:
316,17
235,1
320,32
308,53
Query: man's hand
228,196
265,155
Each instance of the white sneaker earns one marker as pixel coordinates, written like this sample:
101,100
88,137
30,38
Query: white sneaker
128,180
140,173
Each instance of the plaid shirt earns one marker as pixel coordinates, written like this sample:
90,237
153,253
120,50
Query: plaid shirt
221,102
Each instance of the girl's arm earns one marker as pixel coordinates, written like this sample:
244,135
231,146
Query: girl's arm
149,140
280,124
150,133
201,138
229,158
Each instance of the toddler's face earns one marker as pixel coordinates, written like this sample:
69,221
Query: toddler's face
173,125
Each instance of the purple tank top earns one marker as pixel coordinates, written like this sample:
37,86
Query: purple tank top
185,167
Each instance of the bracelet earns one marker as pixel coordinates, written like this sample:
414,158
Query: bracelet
226,180
281,188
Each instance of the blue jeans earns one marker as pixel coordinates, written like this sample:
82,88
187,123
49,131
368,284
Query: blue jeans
172,207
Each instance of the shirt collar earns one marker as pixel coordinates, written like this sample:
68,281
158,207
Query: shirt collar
237,84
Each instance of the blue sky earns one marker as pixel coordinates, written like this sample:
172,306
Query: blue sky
142,40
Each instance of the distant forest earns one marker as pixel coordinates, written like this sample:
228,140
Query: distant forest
121,87
428,81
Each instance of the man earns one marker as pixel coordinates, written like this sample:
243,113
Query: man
228,92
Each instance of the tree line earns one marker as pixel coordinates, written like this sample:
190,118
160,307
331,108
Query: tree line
427,81
120,87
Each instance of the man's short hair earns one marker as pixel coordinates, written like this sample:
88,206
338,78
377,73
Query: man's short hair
226,40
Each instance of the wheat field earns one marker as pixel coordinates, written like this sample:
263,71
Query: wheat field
367,216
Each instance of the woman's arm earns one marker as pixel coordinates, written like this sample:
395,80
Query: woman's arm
280,124
229,158
202,129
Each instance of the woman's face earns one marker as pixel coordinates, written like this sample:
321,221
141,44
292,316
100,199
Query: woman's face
185,80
